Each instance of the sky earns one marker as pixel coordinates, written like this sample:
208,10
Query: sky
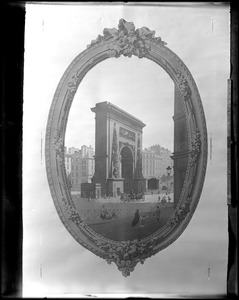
53,262
138,86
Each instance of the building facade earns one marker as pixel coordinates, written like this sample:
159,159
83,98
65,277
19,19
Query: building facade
151,164
80,166
76,172
155,160
72,150
87,166
68,163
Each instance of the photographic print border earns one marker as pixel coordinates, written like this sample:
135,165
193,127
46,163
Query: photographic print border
126,41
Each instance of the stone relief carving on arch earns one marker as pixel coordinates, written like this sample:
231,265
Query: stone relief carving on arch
126,254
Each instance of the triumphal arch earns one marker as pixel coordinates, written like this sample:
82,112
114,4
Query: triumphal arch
118,151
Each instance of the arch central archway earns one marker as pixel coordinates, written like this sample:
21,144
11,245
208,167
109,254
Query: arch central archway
127,168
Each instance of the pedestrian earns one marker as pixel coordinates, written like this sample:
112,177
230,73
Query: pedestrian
103,212
136,218
163,201
158,213
142,221
159,198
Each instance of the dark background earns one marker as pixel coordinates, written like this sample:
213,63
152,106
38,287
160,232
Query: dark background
12,61
12,58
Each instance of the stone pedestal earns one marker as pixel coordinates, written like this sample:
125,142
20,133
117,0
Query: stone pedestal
115,186
140,185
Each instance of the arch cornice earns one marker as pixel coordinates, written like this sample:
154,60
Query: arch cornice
114,43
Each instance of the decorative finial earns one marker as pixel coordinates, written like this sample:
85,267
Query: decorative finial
127,41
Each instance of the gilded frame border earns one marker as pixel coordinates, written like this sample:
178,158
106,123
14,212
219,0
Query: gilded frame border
142,43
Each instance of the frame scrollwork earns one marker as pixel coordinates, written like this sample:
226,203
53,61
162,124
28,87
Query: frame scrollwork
126,41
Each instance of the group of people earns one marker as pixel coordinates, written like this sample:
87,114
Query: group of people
106,215
141,220
164,200
131,196
138,221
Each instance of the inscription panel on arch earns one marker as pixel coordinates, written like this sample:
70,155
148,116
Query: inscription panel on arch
127,134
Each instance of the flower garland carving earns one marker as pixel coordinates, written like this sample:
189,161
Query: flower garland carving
72,213
195,149
127,41
180,213
183,86
127,254
73,84
59,146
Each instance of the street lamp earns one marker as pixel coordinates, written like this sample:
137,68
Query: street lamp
168,169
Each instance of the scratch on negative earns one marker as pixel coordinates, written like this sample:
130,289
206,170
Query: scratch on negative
40,270
208,273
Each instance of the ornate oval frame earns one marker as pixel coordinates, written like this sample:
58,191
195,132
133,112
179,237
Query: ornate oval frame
142,43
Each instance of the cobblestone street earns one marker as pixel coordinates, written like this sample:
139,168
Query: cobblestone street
120,228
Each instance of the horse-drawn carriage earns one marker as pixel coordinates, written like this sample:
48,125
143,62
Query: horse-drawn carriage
131,196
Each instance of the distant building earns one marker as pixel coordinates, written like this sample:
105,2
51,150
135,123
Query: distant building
87,151
151,163
68,163
72,150
87,164
155,160
80,166
76,172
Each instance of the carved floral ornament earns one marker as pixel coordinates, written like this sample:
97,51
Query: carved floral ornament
126,41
